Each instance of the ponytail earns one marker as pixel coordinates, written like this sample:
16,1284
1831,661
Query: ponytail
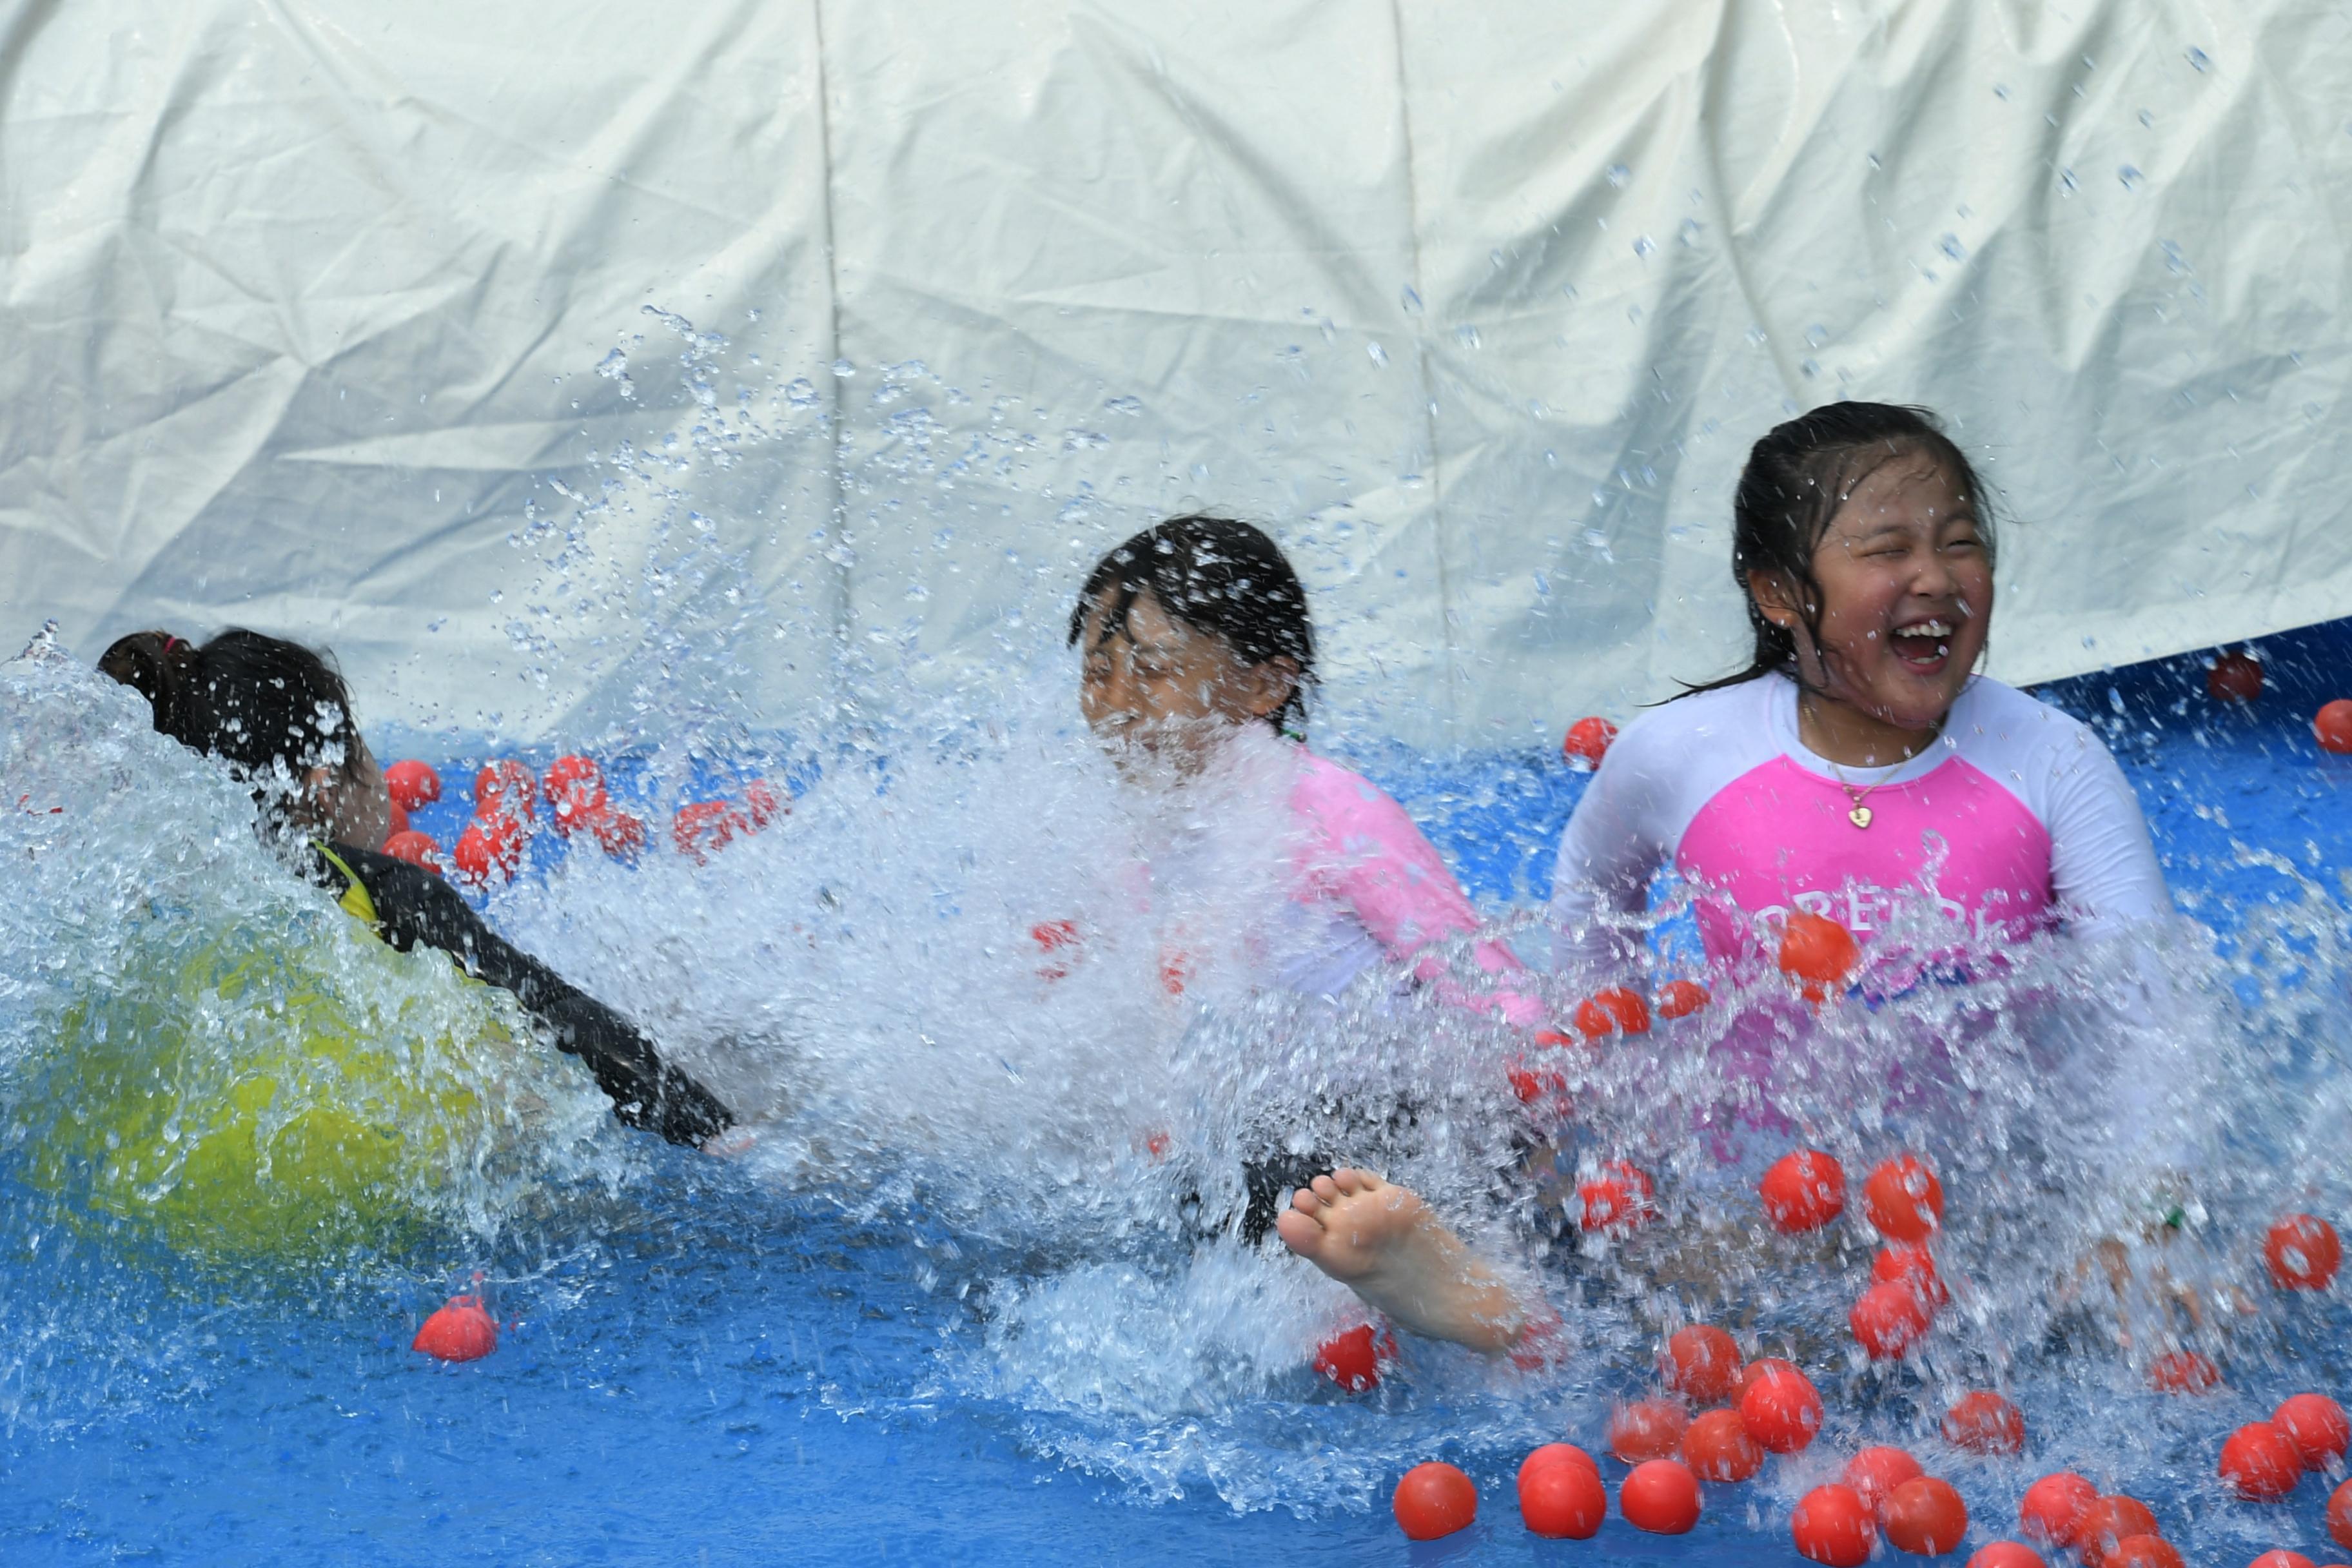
161,668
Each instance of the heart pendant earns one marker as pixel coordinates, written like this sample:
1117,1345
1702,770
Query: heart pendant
1859,816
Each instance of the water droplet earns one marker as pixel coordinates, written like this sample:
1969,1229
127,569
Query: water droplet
2147,118
1466,335
2000,90
1815,335
844,369
1380,357
2066,178
1411,301
1642,247
2130,176
1874,160
1131,407
1951,246
2198,58
1618,175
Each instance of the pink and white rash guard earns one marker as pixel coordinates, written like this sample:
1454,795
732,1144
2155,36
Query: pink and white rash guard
1319,874
2015,818
1363,863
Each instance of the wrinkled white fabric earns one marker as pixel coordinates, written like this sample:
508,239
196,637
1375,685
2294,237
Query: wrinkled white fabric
1480,306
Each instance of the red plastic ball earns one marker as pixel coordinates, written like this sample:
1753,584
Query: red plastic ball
2316,1426
1780,1407
1647,1429
1660,1496
574,785
618,833
1904,1199
2005,1554
416,848
488,850
2144,1551
1874,1473
1803,1191
2234,678
1818,951
397,822
2183,1372
2109,1521
2333,726
1680,998
1888,1321
1982,1422
2055,1507
1615,1199
1434,1500
2304,1252
460,1330
1353,1358
1563,1502
1832,1525
1910,1263
1702,1363
1555,1454
2339,1515
506,788
1587,741
763,804
413,784
706,826
2282,1559
1926,1517
1718,1448
2260,1463
1613,1011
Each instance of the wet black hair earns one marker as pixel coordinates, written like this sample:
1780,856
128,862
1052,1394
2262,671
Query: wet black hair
1796,479
272,708
1216,575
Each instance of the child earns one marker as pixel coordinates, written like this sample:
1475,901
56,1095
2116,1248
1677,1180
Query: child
281,719
1198,655
1856,769
1858,766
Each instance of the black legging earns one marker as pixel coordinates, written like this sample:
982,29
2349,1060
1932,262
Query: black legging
413,906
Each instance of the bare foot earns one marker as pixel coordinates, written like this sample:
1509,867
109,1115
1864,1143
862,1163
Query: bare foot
1382,1242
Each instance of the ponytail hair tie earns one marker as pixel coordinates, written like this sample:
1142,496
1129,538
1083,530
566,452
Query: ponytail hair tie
169,641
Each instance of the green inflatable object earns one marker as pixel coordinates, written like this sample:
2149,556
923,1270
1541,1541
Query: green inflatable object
251,1100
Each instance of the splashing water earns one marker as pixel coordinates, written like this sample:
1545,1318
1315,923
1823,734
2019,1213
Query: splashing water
1007,1025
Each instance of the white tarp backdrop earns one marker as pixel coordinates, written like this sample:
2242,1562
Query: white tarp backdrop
1477,302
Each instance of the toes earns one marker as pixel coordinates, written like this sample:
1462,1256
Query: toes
1326,1188
1306,1202
1350,1179
1299,1233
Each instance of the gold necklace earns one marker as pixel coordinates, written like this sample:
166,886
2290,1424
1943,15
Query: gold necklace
1860,816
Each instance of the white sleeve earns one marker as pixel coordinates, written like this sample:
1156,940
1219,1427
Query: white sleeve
2103,866
1613,847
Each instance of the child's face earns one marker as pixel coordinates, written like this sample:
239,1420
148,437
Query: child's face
1905,595
1166,686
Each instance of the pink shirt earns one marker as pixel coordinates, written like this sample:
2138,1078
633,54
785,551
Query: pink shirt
1363,861
2016,819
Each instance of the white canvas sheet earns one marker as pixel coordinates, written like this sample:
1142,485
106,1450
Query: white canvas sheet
1479,305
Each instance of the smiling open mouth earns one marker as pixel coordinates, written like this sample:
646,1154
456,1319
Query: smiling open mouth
1924,645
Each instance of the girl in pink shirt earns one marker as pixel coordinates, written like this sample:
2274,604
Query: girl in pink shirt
1198,655
1856,769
